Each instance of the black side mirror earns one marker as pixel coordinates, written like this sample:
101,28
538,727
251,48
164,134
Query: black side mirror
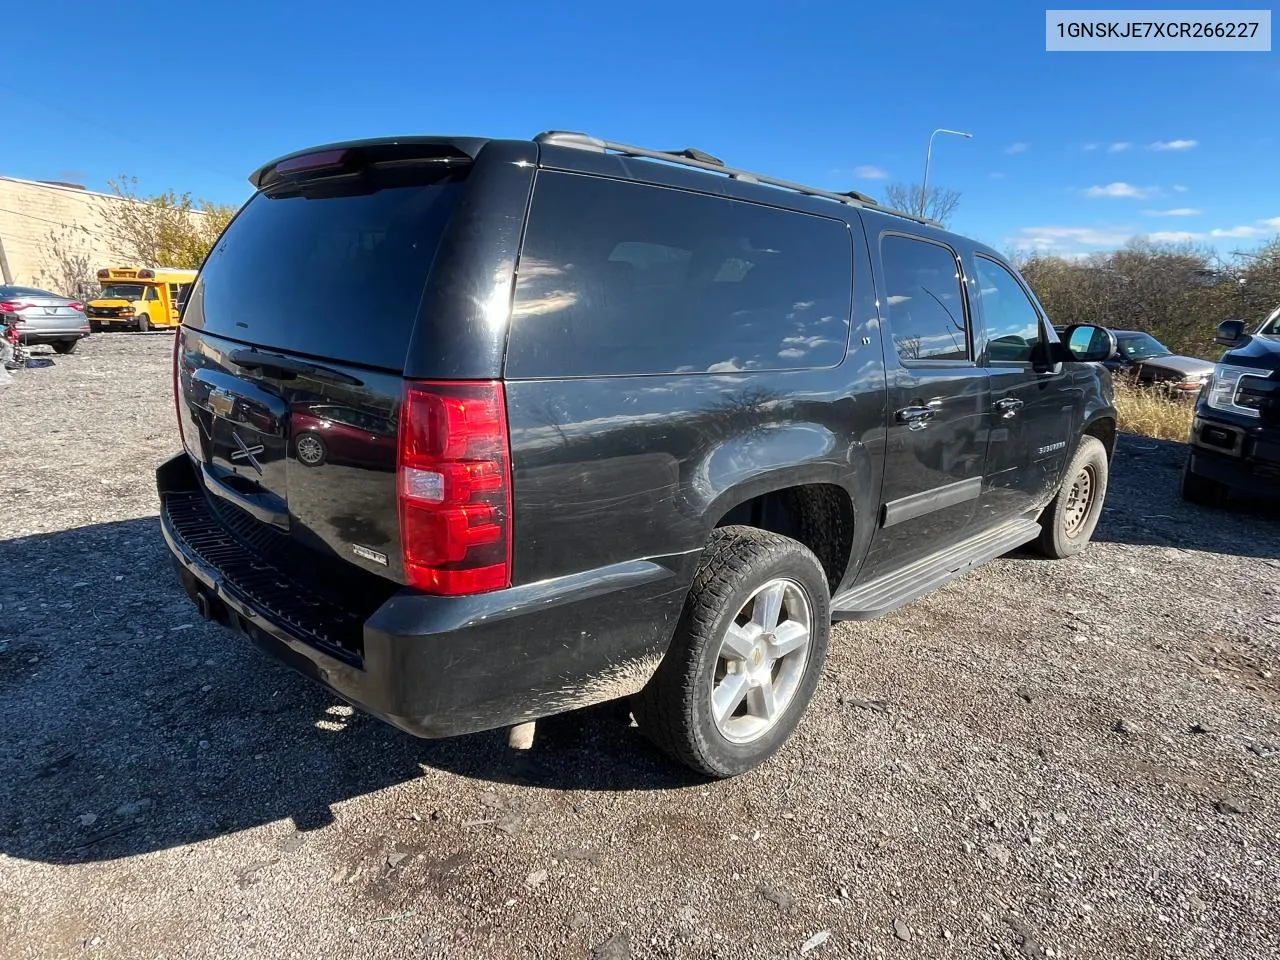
1231,334
1089,344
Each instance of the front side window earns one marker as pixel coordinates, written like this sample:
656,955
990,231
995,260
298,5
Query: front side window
1012,321
620,279
152,294
924,300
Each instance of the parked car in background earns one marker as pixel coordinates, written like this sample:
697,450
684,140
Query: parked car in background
1148,361
40,316
630,422
1235,437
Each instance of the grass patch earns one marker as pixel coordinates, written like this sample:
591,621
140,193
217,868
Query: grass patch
1153,412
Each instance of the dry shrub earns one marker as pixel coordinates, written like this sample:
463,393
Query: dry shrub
1153,412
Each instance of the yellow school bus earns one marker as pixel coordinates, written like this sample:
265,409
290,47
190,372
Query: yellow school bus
139,298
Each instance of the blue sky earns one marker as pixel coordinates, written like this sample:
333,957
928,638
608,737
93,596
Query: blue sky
1071,151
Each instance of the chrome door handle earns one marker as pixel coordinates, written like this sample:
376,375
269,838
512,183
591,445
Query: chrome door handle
1009,407
916,416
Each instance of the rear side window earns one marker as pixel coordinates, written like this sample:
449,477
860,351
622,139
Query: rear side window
621,278
331,274
924,300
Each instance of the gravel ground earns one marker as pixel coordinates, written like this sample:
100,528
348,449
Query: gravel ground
1073,759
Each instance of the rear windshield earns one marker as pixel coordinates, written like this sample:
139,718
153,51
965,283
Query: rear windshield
338,275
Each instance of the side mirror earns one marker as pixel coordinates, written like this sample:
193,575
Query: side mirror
1089,344
1231,333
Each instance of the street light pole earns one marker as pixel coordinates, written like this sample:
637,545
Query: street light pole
928,157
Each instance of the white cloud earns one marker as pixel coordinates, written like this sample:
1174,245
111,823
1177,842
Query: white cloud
1179,188
1017,148
1175,212
1273,223
1119,147
1048,237
1174,145
1173,236
1089,147
868,172
1122,190
1241,231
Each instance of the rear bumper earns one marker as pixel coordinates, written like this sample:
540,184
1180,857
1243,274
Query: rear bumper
37,335
1246,459
434,666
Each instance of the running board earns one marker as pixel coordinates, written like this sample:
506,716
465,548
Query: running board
890,591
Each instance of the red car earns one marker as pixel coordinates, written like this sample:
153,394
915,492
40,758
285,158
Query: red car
330,433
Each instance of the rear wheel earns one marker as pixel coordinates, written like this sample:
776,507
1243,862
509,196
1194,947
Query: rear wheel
65,346
746,656
1068,522
1201,490
143,323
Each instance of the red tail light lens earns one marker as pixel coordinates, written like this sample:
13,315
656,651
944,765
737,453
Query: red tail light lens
12,306
76,305
454,476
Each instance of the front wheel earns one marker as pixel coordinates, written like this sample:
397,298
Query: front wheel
1068,522
746,656
1202,491
143,323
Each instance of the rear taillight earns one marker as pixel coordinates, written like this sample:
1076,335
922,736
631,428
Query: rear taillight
76,305
454,481
12,306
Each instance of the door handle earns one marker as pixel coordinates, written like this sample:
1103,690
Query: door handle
917,416
1009,407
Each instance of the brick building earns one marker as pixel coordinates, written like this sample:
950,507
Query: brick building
34,214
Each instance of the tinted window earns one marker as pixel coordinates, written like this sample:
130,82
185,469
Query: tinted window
622,278
334,275
1012,321
1140,346
924,300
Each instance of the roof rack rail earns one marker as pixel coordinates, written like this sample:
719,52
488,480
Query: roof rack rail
690,157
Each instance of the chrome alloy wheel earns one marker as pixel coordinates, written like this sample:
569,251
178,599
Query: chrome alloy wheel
762,661
310,450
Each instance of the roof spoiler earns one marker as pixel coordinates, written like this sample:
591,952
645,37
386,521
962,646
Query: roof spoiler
351,155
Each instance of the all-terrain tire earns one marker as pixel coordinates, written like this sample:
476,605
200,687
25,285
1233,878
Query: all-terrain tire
674,709
1202,491
1067,523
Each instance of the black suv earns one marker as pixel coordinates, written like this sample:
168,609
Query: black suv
1235,437
654,423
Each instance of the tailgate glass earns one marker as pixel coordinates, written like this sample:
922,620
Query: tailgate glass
335,273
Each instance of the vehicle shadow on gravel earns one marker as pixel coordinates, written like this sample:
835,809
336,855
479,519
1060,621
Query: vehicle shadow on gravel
1144,507
143,728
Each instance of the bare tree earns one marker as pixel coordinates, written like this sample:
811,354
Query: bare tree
68,266
936,203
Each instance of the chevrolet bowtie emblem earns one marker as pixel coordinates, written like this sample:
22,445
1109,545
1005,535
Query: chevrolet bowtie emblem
246,452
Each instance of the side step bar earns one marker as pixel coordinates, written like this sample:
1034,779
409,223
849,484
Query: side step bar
892,590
